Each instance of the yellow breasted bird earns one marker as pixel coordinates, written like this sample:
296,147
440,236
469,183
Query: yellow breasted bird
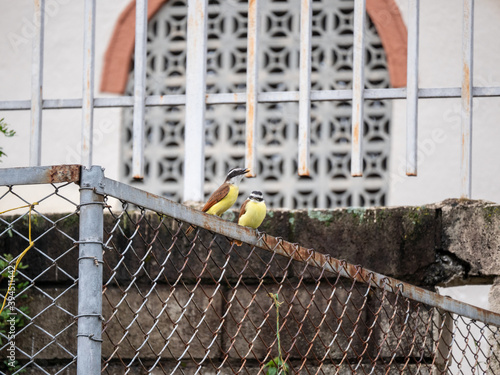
225,196
252,211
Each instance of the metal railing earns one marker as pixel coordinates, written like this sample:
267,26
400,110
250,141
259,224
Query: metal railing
151,299
196,98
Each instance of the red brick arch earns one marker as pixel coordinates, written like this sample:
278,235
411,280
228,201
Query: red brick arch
384,14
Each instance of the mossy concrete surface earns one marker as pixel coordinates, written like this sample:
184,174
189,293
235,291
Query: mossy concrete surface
448,243
453,242
393,241
471,231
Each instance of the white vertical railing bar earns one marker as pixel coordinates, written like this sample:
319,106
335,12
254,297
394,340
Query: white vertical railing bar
412,88
138,141
88,82
467,82
36,85
194,135
305,86
358,83
252,87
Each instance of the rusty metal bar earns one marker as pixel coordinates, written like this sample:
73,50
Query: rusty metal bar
263,97
358,88
363,275
37,85
194,136
138,141
467,97
277,245
252,87
305,86
88,82
40,175
412,86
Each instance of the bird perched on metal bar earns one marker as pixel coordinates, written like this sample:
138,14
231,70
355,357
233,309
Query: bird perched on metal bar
225,196
252,212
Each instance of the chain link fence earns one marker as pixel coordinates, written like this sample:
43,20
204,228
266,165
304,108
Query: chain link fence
40,322
200,304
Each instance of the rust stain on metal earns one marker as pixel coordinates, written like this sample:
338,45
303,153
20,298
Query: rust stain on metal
355,133
466,87
303,158
199,13
64,173
303,167
250,138
196,19
251,10
251,89
328,263
303,170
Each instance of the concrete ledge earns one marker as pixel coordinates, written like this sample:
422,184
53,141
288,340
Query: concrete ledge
448,243
393,241
471,231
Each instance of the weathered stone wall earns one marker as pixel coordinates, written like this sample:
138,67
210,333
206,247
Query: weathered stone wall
455,242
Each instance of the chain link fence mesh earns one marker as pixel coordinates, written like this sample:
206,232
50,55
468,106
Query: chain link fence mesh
199,304
174,304
43,324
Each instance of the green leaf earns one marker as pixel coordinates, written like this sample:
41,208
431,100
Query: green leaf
276,366
7,132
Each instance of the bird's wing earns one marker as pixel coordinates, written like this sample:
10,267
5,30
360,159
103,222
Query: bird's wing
216,196
243,209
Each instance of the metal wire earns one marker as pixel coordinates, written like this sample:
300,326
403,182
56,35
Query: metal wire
174,304
200,305
45,292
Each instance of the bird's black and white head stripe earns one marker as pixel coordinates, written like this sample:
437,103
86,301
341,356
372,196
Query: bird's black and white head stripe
236,172
256,196
235,175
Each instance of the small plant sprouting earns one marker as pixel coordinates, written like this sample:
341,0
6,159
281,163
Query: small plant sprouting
276,365
4,129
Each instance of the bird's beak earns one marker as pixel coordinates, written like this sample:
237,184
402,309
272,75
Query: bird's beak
246,170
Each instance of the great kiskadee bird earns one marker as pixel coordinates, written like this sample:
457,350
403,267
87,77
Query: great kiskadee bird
225,196
252,211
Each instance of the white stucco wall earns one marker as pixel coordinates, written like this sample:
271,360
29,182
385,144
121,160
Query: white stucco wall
439,120
63,61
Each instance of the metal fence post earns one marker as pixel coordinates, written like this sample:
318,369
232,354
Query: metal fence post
90,263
